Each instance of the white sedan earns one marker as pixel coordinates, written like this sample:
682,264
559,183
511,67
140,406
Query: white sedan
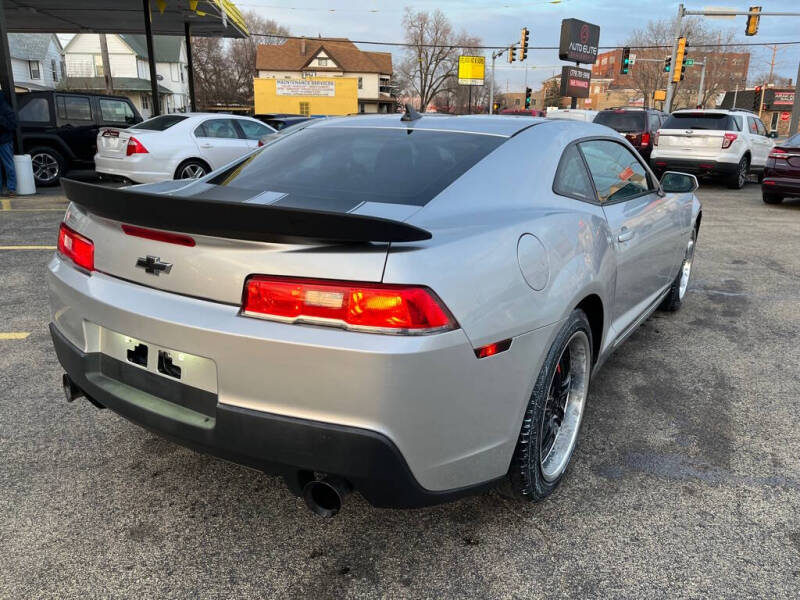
176,146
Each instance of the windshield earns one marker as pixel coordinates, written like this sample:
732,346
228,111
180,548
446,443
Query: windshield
159,123
624,121
714,121
338,168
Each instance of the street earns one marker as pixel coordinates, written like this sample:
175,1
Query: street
685,481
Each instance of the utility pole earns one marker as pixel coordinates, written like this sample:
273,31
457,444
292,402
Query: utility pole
702,82
796,105
772,63
106,64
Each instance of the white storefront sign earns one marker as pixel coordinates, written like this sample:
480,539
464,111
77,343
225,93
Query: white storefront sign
301,87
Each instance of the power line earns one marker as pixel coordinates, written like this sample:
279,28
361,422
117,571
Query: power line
505,46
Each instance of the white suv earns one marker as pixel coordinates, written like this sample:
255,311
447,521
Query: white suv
728,144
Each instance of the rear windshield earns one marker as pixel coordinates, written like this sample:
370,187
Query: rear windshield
625,121
159,123
715,121
338,168
793,141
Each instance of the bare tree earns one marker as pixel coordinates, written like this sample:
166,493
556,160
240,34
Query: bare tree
224,69
763,77
721,67
431,62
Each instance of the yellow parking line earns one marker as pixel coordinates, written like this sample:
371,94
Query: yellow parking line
14,335
6,203
27,247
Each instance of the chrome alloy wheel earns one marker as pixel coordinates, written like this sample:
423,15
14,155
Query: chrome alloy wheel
742,173
192,171
686,268
563,411
45,167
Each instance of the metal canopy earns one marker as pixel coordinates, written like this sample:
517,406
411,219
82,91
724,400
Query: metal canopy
124,16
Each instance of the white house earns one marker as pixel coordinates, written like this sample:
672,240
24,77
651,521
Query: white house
36,60
130,73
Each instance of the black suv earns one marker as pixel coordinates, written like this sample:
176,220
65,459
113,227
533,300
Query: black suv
639,125
59,129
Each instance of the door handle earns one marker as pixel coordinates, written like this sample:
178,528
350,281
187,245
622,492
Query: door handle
625,235
206,146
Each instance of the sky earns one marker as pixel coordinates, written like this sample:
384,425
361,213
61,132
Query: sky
498,22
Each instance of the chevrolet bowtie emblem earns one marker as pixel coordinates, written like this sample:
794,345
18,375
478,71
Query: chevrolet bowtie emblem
153,265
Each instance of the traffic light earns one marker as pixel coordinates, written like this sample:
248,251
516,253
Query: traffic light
523,50
667,64
511,54
757,98
624,64
684,63
752,21
528,92
676,74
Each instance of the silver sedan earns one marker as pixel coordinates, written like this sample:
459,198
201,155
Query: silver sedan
411,308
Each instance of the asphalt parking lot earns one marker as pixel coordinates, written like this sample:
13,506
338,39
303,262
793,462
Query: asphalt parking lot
685,483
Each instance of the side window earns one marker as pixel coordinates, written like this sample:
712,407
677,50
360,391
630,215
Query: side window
115,111
751,124
253,130
653,122
762,130
36,111
616,172
217,128
571,177
73,108
737,123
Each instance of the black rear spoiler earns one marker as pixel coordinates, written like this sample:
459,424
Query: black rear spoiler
236,220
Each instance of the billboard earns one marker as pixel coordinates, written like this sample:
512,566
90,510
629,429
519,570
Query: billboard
784,98
575,82
579,41
471,70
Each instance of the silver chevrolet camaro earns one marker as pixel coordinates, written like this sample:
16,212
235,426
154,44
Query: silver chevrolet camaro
411,306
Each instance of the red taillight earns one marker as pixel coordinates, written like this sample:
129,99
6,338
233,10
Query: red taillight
159,236
728,140
379,308
777,153
134,147
76,247
645,139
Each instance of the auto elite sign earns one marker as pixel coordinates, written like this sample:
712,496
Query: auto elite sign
575,82
579,41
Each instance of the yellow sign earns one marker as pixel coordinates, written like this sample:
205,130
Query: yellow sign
471,70
660,95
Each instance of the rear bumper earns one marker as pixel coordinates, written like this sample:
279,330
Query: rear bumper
782,186
694,166
450,421
129,168
272,443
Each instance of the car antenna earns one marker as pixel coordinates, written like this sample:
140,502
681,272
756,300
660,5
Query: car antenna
410,114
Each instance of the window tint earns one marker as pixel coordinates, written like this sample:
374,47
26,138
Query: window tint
714,121
621,120
253,130
616,172
115,111
217,128
762,130
337,168
74,108
654,122
751,125
571,176
159,123
36,111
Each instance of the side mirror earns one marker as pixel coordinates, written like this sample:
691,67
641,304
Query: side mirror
772,134
678,183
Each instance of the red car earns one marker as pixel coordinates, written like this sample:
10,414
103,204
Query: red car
782,172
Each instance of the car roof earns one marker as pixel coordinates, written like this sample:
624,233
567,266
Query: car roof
500,125
725,111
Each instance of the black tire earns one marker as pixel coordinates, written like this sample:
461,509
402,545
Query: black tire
192,164
674,298
525,473
48,165
739,178
771,198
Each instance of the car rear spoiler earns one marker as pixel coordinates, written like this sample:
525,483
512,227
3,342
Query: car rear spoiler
236,220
